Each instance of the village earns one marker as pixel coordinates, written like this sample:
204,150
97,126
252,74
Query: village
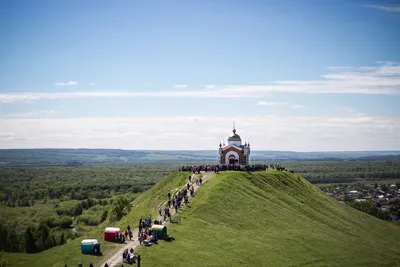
381,201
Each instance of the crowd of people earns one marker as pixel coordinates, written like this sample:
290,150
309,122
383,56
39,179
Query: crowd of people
128,256
222,167
233,167
145,232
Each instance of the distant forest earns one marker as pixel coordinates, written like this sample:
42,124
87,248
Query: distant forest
79,157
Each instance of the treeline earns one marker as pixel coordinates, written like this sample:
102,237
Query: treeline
346,171
76,208
372,209
33,239
28,197
24,186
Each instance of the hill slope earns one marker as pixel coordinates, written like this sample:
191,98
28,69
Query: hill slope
273,219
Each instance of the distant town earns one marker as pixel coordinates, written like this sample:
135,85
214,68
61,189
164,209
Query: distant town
381,201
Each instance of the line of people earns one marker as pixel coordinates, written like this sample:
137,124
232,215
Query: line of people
145,233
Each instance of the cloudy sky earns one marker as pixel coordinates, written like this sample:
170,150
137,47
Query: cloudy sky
294,75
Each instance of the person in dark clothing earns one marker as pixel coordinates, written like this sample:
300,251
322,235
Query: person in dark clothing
169,196
130,235
91,265
129,227
106,265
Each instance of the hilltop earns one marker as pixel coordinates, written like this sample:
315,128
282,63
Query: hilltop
267,218
273,219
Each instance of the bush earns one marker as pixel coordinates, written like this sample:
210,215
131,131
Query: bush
89,219
120,207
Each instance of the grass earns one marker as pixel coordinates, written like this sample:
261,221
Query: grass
273,219
238,219
146,204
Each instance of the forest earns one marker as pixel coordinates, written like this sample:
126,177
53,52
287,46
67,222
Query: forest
44,206
345,171
51,204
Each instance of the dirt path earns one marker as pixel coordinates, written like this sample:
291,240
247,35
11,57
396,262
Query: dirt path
117,257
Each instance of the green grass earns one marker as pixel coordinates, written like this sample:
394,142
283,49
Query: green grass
146,204
273,219
238,219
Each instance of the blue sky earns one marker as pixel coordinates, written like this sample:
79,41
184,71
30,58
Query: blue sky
294,75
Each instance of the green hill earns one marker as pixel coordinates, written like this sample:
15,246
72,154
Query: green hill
273,219
261,219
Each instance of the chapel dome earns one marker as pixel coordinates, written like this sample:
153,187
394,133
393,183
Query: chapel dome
234,137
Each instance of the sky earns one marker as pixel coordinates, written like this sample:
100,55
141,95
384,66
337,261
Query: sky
293,75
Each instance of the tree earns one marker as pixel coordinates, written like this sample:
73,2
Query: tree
104,216
30,245
42,235
120,207
78,209
3,262
62,240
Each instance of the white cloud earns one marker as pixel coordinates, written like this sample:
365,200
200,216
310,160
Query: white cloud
380,80
299,133
389,8
180,86
92,84
297,106
69,83
210,86
264,103
34,113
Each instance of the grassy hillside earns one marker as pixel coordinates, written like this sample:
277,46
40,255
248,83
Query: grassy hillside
261,219
147,203
273,219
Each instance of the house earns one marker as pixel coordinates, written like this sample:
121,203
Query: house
360,200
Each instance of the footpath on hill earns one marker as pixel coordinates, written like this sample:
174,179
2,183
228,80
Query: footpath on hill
117,257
